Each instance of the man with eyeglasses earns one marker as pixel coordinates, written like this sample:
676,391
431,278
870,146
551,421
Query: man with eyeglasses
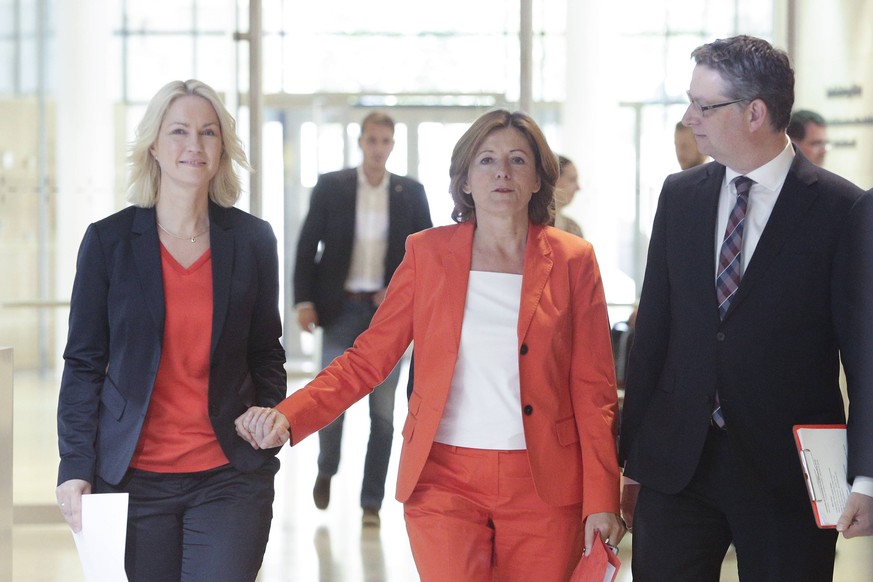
739,336
808,131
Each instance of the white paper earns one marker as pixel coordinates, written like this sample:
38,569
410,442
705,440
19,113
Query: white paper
823,455
102,539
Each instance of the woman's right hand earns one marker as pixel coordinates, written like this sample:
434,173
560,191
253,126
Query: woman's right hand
263,428
69,495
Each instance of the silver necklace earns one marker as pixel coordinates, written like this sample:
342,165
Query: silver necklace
192,238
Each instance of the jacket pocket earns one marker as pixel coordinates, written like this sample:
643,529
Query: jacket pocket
566,431
112,400
408,427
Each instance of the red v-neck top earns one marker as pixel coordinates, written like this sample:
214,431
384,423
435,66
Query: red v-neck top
177,436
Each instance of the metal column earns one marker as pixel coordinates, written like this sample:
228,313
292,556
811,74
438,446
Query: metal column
6,509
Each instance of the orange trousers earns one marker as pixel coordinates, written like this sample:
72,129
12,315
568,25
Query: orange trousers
475,517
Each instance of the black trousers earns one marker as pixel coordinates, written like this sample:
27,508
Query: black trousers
684,537
193,527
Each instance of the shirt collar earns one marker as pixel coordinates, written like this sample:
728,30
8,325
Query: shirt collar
383,185
772,174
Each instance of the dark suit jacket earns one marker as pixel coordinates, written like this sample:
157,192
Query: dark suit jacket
805,300
320,274
116,331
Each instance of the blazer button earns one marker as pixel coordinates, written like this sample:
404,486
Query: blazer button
528,409
523,349
719,336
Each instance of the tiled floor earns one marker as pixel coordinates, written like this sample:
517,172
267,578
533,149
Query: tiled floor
305,544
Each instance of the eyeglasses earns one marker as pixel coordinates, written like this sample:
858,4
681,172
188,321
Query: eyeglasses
701,109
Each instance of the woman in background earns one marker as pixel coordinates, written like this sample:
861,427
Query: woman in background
174,332
565,191
508,467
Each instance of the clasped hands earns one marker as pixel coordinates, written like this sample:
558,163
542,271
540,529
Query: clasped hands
263,428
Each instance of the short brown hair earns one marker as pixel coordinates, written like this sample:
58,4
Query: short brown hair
753,69
799,120
377,118
541,208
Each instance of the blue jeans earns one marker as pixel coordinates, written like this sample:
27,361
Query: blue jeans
338,336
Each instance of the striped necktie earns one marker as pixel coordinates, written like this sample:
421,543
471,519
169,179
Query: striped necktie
731,255
730,265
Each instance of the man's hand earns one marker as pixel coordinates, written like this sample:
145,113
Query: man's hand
630,490
307,318
857,517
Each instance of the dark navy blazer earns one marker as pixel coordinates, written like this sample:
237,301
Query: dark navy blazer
805,302
324,251
116,331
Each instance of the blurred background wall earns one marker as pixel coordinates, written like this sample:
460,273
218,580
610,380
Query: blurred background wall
607,82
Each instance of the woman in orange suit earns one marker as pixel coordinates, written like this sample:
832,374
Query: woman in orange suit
508,468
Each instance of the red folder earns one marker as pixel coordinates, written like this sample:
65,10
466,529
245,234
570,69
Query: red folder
600,565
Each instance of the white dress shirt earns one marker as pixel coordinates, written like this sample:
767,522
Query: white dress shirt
367,269
769,179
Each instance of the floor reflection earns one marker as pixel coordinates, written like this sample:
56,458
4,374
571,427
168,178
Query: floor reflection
372,555
306,544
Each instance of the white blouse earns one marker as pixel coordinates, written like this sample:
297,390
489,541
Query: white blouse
483,410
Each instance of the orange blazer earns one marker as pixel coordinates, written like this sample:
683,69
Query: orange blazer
568,393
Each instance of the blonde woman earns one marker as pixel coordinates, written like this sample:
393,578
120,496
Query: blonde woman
174,332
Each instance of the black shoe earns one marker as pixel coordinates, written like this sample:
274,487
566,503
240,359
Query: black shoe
370,517
321,491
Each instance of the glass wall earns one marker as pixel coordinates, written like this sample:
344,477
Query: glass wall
657,47
436,66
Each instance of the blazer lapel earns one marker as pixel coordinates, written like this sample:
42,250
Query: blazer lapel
222,246
349,201
794,201
456,262
145,246
537,268
700,245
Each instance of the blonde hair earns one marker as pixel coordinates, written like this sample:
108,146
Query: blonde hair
144,180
